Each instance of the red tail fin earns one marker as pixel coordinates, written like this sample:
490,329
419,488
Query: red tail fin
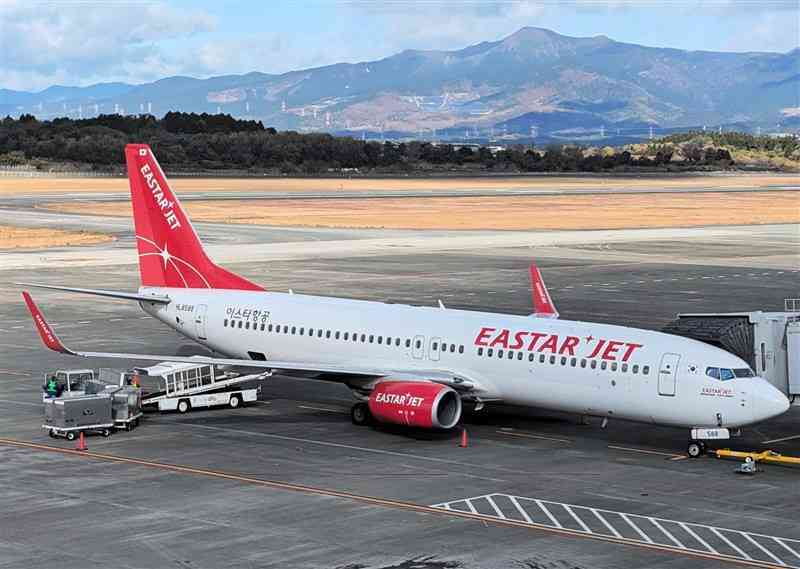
170,253
542,303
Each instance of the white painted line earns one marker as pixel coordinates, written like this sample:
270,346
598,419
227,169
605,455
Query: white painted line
762,548
471,507
645,451
520,509
500,514
321,409
17,327
85,322
780,440
548,514
665,532
532,436
577,519
792,551
605,523
643,535
716,532
697,537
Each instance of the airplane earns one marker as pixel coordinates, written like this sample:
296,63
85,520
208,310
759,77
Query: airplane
420,366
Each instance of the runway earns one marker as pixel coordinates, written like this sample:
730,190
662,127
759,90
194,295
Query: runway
225,488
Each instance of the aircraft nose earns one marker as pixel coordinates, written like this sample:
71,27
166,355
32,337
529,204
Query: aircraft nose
769,401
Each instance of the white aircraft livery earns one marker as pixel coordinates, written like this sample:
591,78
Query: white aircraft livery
414,365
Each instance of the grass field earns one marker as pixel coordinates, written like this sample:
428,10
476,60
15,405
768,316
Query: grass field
18,185
509,213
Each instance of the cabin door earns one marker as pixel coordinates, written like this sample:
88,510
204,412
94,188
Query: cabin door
668,374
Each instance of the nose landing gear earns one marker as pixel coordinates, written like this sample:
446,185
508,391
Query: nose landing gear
696,449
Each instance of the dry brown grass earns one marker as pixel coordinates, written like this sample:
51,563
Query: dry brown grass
526,212
35,238
13,185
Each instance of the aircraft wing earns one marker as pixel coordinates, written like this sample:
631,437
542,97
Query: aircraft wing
364,375
542,303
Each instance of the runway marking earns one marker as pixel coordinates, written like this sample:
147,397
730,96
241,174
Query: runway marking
780,440
527,435
651,532
439,509
322,409
646,451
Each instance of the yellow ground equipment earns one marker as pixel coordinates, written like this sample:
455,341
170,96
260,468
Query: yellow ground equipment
765,456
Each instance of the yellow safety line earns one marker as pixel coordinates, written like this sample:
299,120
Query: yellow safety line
375,501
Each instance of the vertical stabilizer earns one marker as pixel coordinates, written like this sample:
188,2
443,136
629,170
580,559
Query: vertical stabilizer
170,252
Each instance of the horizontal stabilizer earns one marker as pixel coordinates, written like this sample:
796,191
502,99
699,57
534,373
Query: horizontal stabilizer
108,293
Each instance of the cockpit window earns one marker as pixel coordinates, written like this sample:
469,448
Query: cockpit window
712,372
744,372
725,374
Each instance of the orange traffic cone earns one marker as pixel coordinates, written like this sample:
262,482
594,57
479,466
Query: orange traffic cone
81,442
464,442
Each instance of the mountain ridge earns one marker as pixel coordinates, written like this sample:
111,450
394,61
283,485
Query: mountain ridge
512,86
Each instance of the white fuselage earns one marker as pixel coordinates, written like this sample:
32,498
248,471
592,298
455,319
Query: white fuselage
573,366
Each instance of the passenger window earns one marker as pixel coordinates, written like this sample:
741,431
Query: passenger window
725,374
269,328
499,353
302,331
355,337
541,358
247,325
435,346
310,331
346,335
520,355
363,337
263,326
510,355
294,329
635,368
418,343
408,342
583,362
552,360
531,357
594,364
337,334
397,342
563,360
712,372
573,362
603,365
240,323
328,334
452,348
286,329
613,366
480,351
319,333
444,346
489,352
646,370
624,367
380,339
461,349
225,323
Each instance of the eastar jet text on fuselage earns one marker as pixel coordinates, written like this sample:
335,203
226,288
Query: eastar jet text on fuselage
416,365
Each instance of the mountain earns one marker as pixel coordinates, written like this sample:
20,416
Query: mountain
534,81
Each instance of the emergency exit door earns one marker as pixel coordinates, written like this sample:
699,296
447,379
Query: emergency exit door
668,374
200,321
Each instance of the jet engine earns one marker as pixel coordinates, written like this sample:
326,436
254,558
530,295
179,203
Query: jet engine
416,404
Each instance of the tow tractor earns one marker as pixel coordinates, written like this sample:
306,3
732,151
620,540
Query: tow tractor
173,386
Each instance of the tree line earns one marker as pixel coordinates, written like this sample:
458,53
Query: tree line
190,141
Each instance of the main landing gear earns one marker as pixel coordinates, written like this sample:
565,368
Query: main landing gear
696,449
360,414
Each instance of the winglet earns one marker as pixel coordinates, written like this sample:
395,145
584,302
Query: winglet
542,303
45,332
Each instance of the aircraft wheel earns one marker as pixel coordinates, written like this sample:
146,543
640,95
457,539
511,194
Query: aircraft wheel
360,414
70,435
183,406
694,449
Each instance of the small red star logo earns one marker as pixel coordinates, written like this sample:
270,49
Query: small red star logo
589,338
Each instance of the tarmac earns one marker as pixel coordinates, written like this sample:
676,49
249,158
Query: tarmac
290,482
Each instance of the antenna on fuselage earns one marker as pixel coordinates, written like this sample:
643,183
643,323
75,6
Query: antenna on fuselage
441,305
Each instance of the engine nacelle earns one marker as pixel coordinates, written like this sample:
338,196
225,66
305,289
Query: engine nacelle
416,404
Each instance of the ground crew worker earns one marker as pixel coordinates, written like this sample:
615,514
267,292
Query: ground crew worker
52,386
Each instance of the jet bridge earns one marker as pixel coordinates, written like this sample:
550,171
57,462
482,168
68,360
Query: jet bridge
768,341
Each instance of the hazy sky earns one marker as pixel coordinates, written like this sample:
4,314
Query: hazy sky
83,42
